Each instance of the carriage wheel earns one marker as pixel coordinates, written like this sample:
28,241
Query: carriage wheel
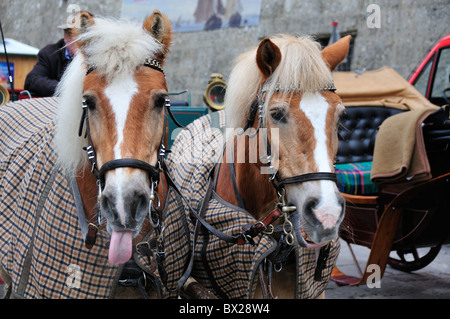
418,262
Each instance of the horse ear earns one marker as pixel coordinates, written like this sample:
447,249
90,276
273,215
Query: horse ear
335,53
83,21
86,19
268,57
160,27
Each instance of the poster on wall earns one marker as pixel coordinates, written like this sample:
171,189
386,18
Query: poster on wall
197,15
4,75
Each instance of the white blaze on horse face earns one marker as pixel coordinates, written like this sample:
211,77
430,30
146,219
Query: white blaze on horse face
315,106
120,92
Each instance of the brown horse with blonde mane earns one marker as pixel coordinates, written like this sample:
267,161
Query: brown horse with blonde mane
272,209
295,89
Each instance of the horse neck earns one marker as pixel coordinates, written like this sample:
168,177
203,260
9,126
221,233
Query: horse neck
256,191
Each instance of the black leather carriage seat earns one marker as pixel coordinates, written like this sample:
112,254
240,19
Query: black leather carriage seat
358,131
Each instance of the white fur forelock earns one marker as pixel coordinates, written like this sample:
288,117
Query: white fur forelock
115,49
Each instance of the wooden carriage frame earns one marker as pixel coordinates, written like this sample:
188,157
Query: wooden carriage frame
400,217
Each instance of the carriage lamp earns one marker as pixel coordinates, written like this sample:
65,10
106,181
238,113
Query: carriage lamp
4,95
215,92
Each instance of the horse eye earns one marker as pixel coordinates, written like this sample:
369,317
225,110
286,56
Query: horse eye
278,115
90,102
160,101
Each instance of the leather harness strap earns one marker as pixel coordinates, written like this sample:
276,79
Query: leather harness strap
152,171
319,176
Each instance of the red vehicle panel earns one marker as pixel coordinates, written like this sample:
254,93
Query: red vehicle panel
432,76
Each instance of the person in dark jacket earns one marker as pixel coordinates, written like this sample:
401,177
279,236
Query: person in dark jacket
52,60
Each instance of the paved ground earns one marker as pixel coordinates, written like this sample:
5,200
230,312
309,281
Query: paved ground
431,282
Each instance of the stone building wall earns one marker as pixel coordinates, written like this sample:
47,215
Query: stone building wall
408,29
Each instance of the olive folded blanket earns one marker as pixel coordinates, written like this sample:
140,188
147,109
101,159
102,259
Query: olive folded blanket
399,154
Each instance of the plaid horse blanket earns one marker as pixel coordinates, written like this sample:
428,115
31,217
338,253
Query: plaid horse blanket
41,244
229,270
38,218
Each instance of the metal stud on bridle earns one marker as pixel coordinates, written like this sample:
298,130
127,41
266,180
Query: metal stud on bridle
154,195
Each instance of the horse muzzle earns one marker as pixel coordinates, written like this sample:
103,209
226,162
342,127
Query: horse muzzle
321,219
124,203
125,199
320,211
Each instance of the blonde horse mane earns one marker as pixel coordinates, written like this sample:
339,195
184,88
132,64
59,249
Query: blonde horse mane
113,48
302,69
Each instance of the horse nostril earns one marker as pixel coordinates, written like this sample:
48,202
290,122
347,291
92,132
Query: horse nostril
126,210
342,203
309,208
311,204
138,204
108,205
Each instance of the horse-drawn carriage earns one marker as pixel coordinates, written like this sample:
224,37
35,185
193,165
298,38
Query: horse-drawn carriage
393,170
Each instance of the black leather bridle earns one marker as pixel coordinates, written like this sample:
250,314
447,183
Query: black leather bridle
153,171
277,181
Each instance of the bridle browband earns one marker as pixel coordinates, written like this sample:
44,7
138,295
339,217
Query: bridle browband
150,63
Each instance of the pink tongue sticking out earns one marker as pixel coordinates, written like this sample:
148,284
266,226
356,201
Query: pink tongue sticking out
120,248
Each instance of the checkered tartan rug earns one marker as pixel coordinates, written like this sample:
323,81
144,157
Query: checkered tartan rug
229,270
38,230
41,244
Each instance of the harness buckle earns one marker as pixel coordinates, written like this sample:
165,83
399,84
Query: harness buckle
288,209
144,248
270,230
91,236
